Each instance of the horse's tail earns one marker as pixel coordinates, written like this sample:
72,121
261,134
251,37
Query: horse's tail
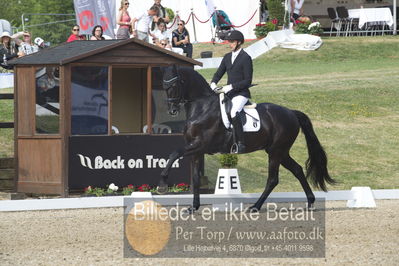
316,164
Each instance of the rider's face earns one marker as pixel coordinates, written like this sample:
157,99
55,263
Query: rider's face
233,45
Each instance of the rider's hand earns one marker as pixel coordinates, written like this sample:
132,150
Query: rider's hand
213,86
227,88
224,89
218,90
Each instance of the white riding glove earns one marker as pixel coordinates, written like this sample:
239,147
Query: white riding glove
213,86
224,89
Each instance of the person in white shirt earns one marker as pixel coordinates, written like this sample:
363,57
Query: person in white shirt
27,47
160,33
296,9
142,29
161,37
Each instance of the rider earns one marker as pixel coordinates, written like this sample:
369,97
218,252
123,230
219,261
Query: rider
238,65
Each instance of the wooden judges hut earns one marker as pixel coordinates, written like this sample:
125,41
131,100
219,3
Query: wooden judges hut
94,113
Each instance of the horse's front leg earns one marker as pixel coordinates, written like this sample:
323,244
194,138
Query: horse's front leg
191,148
163,184
196,182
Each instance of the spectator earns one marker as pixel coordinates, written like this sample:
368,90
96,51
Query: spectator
166,45
8,49
27,47
75,34
162,14
296,9
40,43
143,23
181,39
97,33
123,20
160,33
264,12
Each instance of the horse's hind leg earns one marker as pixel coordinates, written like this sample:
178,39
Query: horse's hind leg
297,171
272,180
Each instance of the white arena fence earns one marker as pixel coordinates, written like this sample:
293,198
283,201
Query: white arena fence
357,197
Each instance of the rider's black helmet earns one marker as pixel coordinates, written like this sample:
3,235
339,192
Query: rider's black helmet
235,35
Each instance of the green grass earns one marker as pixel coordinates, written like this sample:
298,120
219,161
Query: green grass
6,134
349,88
48,123
217,49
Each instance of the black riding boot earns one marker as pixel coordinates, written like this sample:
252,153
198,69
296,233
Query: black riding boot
239,134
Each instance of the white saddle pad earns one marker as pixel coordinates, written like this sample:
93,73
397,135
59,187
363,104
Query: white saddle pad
253,121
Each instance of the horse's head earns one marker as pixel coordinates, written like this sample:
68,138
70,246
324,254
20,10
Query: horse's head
172,84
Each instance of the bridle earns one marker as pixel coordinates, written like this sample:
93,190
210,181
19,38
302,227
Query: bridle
168,84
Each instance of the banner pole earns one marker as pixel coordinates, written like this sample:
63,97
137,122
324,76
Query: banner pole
394,17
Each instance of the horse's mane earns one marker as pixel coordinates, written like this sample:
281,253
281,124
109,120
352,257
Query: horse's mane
196,80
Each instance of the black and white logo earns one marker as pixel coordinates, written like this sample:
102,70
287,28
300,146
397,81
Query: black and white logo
149,162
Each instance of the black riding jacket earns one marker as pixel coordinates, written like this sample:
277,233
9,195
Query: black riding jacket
239,74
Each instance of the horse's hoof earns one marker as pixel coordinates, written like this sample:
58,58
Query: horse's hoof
162,190
190,210
310,207
253,209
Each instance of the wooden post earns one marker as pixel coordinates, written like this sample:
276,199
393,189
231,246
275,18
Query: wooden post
149,99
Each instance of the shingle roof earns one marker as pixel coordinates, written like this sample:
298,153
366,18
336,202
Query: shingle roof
69,52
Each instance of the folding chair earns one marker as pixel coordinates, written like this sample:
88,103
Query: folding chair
332,14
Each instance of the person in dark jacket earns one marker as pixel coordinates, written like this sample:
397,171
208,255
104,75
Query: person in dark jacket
181,39
238,65
162,15
8,49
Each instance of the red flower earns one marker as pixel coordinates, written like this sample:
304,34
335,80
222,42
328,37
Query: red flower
144,188
130,186
274,21
298,21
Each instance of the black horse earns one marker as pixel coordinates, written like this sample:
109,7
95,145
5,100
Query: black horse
205,133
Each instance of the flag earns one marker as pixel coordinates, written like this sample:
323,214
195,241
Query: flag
90,13
210,6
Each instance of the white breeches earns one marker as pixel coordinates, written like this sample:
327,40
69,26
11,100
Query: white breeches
238,103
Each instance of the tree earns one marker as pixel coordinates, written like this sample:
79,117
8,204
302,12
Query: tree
55,33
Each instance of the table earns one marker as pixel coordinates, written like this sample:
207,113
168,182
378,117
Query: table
367,15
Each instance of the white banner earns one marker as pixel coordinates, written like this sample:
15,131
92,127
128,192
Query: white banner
210,5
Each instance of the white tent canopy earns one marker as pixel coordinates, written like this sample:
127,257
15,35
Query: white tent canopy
238,11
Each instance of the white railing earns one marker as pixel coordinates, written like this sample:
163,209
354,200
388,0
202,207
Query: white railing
357,197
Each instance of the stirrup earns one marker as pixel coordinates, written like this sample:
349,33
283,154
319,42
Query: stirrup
237,148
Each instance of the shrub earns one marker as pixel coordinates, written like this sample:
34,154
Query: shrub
308,28
182,187
228,160
276,10
98,192
171,14
112,189
144,188
262,29
94,191
128,190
